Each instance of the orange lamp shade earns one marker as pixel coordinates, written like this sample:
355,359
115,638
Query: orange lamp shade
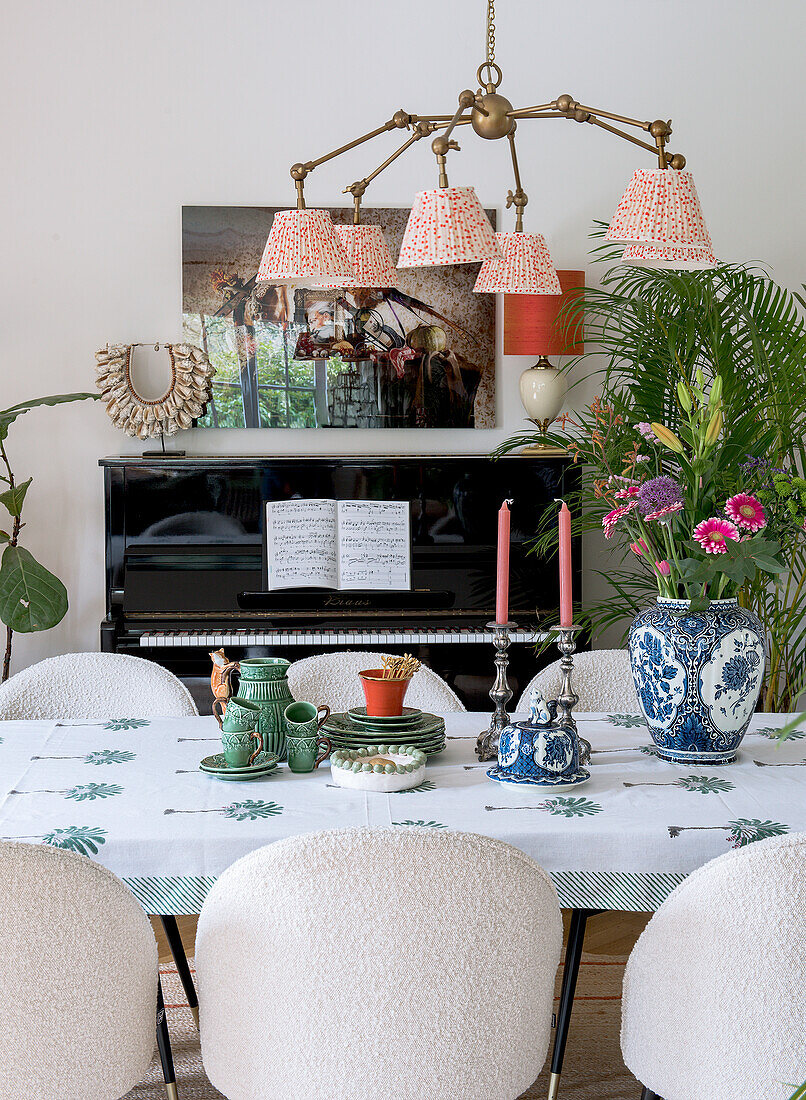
534,324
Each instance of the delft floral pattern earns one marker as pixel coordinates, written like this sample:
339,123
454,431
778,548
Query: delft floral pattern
697,676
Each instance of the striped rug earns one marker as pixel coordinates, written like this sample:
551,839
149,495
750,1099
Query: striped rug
593,1066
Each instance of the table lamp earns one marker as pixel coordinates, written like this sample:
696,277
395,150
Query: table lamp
537,324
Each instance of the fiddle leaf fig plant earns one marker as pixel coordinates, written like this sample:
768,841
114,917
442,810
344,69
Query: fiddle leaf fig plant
31,597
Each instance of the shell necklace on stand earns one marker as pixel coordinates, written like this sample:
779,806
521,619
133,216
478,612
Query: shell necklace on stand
185,399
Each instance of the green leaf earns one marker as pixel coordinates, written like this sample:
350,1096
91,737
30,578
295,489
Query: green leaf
5,536
12,499
31,598
8,416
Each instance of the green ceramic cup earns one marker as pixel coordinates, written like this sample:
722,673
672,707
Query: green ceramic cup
240,739
306,753
240,749
304,719
238,715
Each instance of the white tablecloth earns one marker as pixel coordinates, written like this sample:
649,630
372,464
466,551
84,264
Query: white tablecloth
129,794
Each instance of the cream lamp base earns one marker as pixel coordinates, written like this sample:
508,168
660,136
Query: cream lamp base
543,388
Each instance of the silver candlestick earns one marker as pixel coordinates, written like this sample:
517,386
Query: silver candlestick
567,698
500,693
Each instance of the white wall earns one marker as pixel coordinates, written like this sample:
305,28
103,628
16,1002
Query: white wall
115,114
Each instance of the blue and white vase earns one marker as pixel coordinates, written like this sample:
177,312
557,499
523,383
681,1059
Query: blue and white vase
698,675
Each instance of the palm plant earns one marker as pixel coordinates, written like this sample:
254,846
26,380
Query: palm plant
657,328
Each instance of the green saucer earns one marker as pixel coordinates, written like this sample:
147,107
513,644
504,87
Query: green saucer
217,766
405,718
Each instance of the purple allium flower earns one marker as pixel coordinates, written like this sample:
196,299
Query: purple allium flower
659,493
645,428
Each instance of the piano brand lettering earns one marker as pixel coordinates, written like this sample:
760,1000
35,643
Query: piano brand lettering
341,601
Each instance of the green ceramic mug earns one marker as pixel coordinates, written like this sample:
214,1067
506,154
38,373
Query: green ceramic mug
237,715
305,748
240,739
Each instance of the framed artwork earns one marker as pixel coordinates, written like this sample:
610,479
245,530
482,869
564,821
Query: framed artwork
418,355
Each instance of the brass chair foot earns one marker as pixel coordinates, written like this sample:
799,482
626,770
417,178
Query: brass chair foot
195,1012
554,1086
170,1089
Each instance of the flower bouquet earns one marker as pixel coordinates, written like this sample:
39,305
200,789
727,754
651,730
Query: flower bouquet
698,657
701,541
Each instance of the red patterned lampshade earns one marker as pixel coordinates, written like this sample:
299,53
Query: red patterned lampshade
655,255
367,250
660,206
524,267
303,246
447,226
534,324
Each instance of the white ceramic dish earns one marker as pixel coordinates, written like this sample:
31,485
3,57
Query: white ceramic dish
375,769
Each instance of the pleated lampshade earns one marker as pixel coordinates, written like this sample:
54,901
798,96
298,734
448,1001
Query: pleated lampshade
661,207
366,247
303,246
524,267
654,255
447,226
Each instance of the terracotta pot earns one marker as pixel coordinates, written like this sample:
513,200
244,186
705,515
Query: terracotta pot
384,696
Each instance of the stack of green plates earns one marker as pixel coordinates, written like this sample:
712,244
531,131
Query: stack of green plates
357,729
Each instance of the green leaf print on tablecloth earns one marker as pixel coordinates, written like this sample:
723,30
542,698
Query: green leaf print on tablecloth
76,838
126,723
249,810
698,784
562,805
627,720
422,824
426,785
100,756
741,832
81,793
773,731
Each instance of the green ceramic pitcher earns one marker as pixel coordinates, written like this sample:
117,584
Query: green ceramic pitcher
264,681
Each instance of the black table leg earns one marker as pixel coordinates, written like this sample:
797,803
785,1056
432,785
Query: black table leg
647,1094
180,958
164,1044
573,956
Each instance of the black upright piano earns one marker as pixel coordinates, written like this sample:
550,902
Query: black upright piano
185,569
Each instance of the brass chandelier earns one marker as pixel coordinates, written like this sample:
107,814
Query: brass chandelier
658,218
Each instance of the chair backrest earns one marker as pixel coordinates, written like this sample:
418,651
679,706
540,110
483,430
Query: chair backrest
407,964
332,678
713,1000
82,686
602,679
78,978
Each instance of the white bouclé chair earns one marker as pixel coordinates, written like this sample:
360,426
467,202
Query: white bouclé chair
78,978
332,678
378,964
714,1006
602,679
84,686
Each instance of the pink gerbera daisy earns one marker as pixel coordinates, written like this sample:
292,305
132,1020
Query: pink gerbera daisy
746,512
667,511
713,534
611,519
628,493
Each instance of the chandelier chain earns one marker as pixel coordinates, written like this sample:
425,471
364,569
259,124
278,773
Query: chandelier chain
490,31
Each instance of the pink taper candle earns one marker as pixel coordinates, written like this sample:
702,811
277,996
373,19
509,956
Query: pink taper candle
566,592
502,569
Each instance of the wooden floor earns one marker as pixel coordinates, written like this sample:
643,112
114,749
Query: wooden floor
606,934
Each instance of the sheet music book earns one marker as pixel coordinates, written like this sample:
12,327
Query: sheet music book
342,544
